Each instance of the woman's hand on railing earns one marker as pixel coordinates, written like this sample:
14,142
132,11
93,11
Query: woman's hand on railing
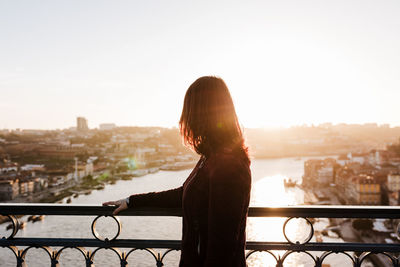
120,204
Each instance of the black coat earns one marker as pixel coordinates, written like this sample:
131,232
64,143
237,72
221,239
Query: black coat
214,201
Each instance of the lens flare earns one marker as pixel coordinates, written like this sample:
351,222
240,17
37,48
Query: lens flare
131,163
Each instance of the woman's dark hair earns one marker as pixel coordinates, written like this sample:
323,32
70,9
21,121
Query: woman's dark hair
209,121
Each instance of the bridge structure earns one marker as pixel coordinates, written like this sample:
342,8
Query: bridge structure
88,247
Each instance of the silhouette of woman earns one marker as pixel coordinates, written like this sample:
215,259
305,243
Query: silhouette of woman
215,197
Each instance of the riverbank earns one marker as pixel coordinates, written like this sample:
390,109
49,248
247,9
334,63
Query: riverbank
89,183
73,189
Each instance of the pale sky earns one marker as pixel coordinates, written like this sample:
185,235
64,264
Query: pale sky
130,62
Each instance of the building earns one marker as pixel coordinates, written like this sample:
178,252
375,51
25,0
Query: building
33,167
318,172
359,158
64,152
363,190
311,168
39,184
393,181
166,148
107,126
342,160
81,124
7,167
325,175
89,167
26,187
9,189
343,176
379,157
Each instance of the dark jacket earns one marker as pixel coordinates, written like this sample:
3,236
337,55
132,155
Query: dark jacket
214,201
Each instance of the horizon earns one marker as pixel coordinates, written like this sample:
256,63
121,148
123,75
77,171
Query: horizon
324,124
285,63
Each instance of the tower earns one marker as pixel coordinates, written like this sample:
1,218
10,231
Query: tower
81,124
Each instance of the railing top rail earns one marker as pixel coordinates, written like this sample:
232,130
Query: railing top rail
313,211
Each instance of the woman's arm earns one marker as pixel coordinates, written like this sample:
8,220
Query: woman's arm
229,193
164,199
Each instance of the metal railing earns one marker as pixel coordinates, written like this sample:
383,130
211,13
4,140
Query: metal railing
363,250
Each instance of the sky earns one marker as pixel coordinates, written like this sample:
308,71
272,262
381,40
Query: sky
130,62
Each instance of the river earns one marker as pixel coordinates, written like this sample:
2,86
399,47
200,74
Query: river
267,190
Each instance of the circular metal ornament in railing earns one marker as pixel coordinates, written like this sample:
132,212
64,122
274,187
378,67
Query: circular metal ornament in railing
100,237
166,253
366,255
290,252
49,251
309,237
275,257
82,250
121,255
14,226
325,254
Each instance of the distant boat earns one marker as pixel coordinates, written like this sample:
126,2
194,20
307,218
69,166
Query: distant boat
31,218
38,218
85,191
289,183
99,187
21,225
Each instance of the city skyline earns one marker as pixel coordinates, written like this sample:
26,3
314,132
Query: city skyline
112,125
286,63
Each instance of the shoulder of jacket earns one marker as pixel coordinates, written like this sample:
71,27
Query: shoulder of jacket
227,156
229,164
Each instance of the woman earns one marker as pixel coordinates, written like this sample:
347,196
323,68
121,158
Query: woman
215,197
